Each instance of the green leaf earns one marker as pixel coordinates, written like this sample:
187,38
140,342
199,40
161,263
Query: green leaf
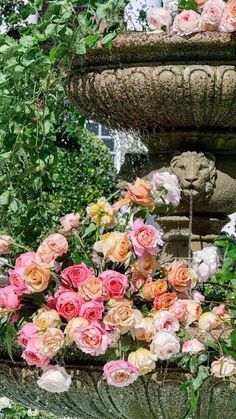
107,38
4,198
10,335
80,47
233,339
27,41
232,254
89,230
188,5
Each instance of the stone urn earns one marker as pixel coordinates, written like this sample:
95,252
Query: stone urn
179,94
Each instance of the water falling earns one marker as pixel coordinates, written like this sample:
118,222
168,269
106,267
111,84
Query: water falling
190,226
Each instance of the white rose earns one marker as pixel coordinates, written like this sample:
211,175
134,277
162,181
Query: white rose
164,345
142,359
224,367
166,186
165,322
206,262
54,379
209,321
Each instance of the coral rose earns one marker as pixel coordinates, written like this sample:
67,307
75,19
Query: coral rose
224,367
212,11
90,288
69,221
69,304
165,345
115,246
51,341
92,310
32,354
25,333
154,289
120,373
142,359
76,274
54,379
71,326
5,244
181,277
140,193
145,238
157,18
46,318
193,346
114,284
165,322
187,22
92,339
36,277
165,301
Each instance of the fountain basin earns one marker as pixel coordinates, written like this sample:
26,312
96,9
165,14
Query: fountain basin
154,396
150,81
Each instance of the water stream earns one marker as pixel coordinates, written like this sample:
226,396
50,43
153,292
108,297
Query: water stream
190,226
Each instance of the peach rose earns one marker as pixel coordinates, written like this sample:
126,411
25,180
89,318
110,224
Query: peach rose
5,244
51,341
102,213
228,20
187,22
157,18
69,221
145,238
46,318
36,277
181,277
52,247
137,278
154,289
147,264
221,312
165,301
71,326
212,11
193,346
194,311
120,373
224,367
115,246
201,3
120,315
90,288
140,193
142,359
46,256
92,339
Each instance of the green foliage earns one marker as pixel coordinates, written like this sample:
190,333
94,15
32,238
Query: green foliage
16,411
188,5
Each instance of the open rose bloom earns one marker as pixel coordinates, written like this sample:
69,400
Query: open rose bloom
117,290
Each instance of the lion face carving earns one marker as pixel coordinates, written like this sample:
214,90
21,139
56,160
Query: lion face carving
196,173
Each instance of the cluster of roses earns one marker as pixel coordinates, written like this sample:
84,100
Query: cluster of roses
93,307
212,15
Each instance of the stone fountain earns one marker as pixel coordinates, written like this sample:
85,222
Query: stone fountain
180,95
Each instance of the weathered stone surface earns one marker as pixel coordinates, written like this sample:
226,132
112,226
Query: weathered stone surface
155,396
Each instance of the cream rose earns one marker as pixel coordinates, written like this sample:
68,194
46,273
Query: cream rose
209,321
164,345
142,359
187,22
224,367
71,326
143,328
54,379
115,246
51,341
47,317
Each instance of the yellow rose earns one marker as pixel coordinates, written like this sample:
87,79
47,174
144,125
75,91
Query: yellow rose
46,318
36,277
71,326
143,359
114,246
51,341
102,213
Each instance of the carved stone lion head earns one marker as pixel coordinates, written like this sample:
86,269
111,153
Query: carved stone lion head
196,173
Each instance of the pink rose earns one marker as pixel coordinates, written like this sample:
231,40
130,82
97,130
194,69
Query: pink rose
17,280
179,310
69,304
32,354
187,22
76,274
164,345
197,296
70,221
52,247
222,313
26,332
212,11
120,373
25,260
9,298
193,346
45,255
144,238
157,18
228,20
92,339
114,284
5,244
92,310
165,322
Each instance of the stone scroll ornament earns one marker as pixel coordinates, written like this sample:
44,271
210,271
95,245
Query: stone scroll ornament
196,173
